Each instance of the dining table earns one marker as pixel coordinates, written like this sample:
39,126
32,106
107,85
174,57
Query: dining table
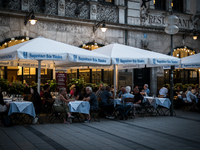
78,107
18,108
159,104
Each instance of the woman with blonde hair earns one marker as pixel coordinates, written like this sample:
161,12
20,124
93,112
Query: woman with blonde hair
72,90
61,104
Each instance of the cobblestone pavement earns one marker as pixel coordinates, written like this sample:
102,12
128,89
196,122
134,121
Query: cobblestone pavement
142,133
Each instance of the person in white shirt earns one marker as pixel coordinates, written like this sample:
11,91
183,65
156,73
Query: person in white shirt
164,91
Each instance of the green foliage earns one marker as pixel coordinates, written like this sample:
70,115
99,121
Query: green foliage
53,84
182,86
4,84
16,88
82,84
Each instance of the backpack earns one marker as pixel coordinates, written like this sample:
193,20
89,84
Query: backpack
6,121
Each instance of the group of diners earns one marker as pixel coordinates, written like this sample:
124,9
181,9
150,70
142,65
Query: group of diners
103,99
106,100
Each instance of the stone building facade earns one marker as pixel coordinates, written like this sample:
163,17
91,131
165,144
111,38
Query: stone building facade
71,22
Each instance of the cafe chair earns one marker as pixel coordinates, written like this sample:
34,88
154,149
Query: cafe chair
94,114
55,116
126,110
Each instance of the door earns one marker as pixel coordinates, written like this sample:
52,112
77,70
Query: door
141,77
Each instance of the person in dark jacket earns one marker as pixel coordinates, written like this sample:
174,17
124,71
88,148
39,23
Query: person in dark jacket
36,99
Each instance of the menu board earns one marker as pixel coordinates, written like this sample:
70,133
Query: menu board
61,79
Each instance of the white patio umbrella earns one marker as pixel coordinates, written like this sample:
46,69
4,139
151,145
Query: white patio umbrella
127,55
191,61
49,51
188,62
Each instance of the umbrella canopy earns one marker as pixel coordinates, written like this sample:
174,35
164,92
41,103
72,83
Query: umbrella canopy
191,61
122,54
127,57
46,50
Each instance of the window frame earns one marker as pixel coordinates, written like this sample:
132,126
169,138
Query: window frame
158,5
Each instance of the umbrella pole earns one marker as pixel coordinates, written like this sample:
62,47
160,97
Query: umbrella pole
115,79
39,75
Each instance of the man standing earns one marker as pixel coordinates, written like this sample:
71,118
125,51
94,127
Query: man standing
92,99
146,91
137,100
105,96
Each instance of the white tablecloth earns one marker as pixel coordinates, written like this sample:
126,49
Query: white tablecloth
22,107
79,107
165,102
117,102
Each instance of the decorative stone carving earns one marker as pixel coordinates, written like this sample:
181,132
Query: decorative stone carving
144,43
61,7
107,13
12,4
24,5
51,7
93,10
143,16
83,7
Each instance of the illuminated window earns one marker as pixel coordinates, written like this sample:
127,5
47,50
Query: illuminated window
183,52
107,1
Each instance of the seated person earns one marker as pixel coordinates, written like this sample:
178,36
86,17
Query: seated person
164,91
92,99
41,91
72,90
105,96
3,106
36,99
121,92
146,91
61,104
98,93
77,94
179,94
189,96
137,100
127,95
47,98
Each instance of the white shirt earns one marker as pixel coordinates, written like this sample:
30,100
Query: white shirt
190,96
163,91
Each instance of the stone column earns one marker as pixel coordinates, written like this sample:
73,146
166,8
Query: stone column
122,14
168,5
25,5
186,6
153,80
61,7
151,5
116,2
